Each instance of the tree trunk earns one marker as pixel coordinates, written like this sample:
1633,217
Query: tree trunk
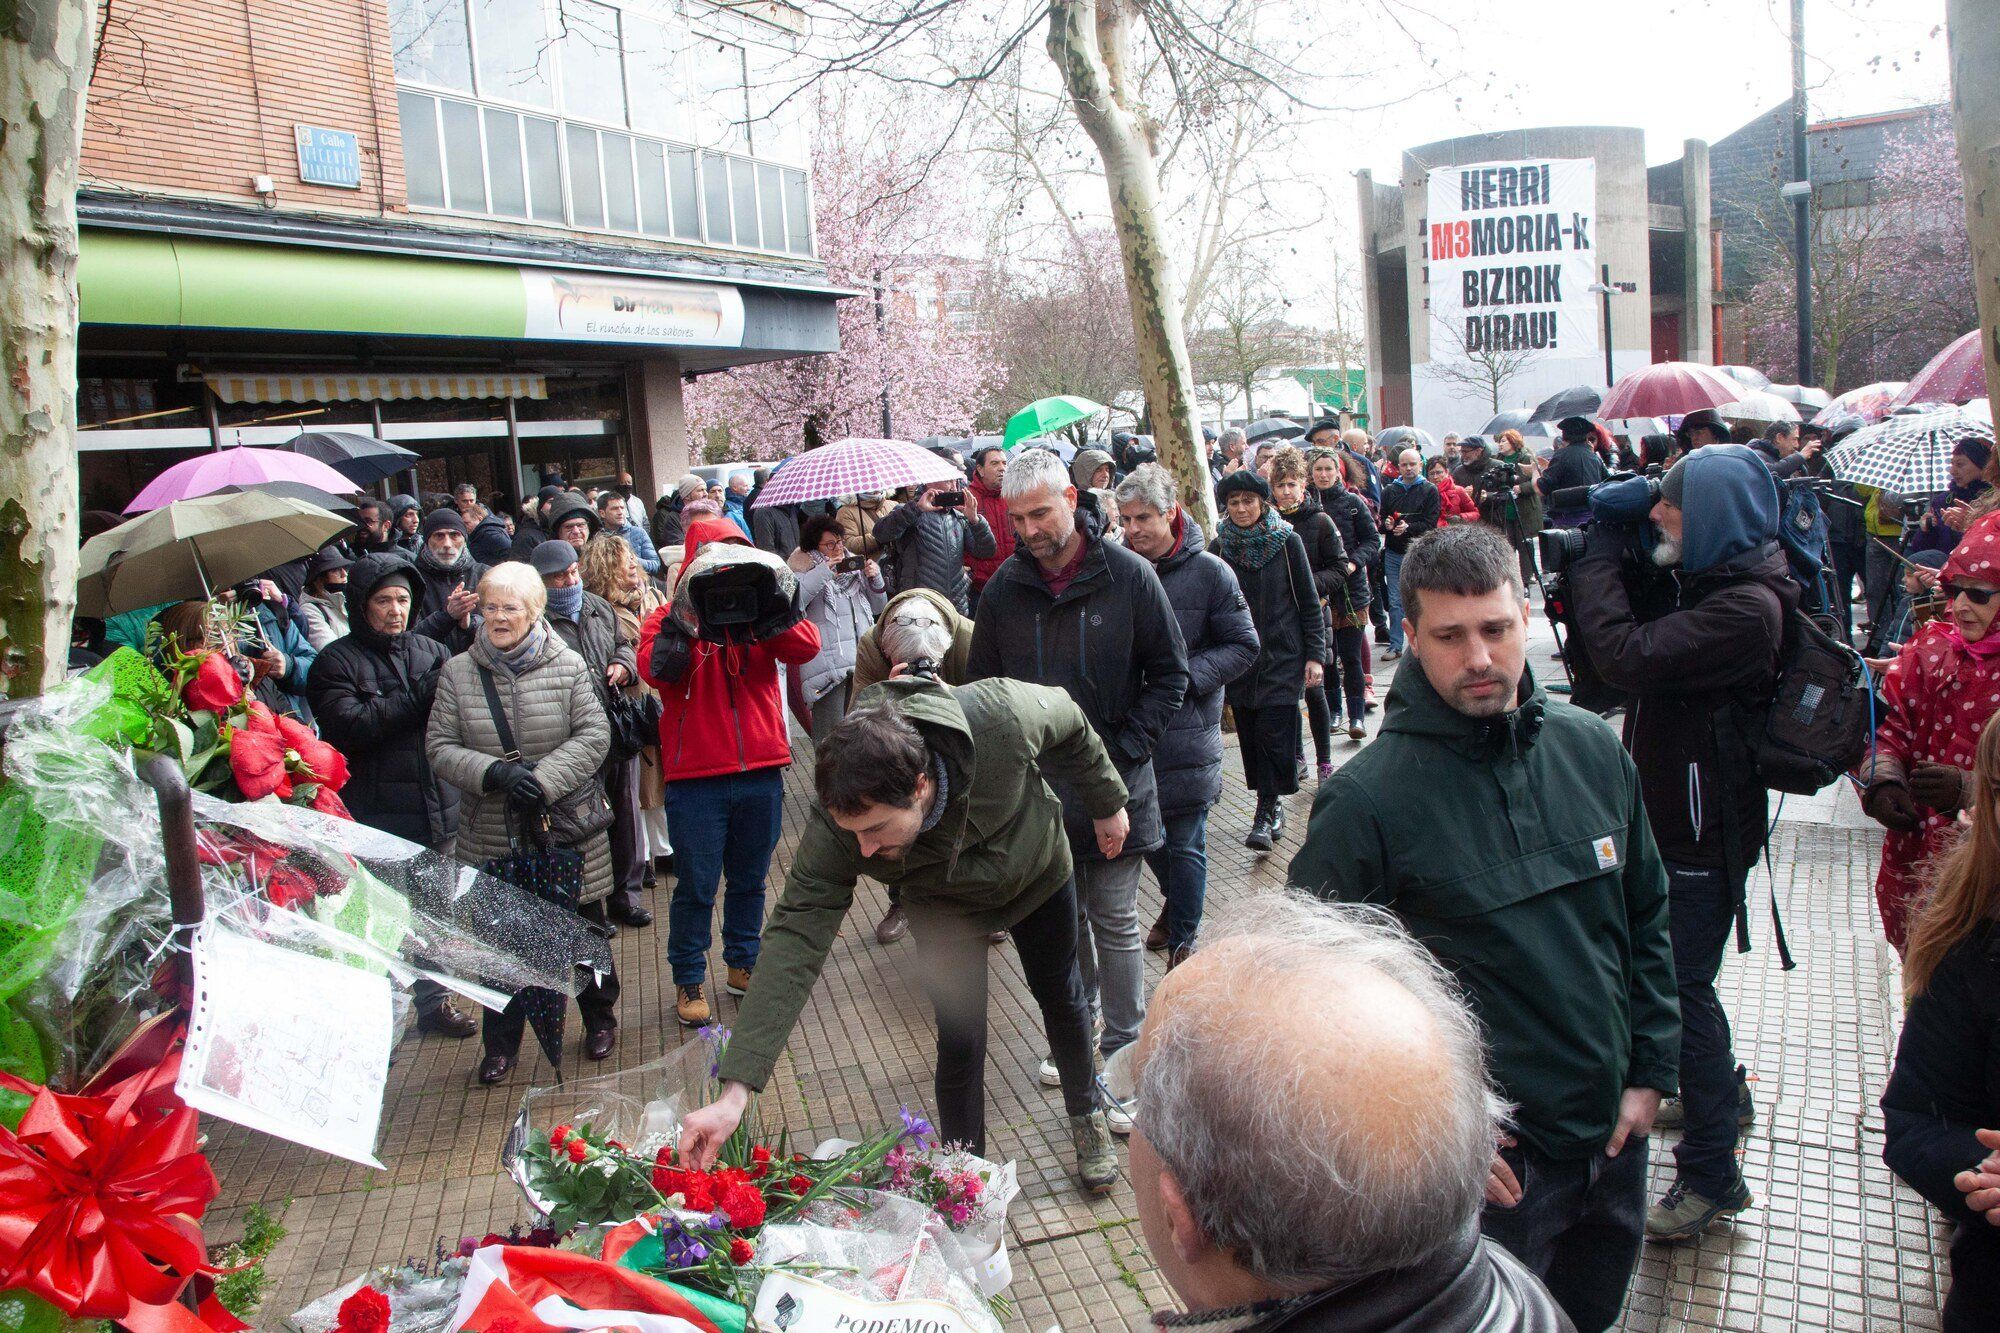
1088,40
44,67
1975,105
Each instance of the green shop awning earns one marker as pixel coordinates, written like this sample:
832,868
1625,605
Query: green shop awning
160,281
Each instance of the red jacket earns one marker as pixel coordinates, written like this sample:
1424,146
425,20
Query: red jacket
1458,502
726,713
994,510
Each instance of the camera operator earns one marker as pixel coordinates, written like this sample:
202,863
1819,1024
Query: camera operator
1688,669
724,748
1787,453
1574,464
944,793
929,538
1503,487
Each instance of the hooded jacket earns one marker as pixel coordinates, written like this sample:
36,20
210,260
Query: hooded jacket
1221,645
872,665
1110,640
1548,901
1084,466
992,508
489,542
399,505
721,710
371,695
570,505
994,856
1470,1286
1694,671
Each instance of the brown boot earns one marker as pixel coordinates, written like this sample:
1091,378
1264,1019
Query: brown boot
1156,938
690,1006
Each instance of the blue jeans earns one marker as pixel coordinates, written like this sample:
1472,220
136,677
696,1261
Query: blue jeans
724,825
1392,566
1578,1227
1181,867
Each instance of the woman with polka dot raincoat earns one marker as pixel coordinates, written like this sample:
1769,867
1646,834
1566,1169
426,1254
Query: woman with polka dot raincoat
1937,696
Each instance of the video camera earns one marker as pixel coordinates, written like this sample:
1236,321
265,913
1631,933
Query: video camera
732,593
1622,501
1496,481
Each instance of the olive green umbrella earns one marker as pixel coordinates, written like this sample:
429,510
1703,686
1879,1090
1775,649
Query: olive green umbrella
1046,416
192,548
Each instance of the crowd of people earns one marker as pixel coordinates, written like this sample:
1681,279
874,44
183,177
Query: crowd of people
1014,690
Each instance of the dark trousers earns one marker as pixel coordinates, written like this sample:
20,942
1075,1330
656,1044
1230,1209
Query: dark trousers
500,1033
1973,1304
1349,645
720,826
1378,597
628,841
1181,867
1848,562
954,973
1578,1227
1701,910
1321,722
1269,739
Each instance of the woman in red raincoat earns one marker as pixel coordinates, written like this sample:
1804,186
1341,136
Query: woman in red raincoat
1939,694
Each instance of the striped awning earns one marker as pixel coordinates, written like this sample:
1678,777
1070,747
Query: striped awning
370,388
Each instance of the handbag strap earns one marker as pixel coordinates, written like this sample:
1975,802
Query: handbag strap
499,712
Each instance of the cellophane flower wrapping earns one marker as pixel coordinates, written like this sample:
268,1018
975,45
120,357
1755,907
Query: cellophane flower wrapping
421,1300
880,1247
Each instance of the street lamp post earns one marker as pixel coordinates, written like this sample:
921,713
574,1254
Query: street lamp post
1799,191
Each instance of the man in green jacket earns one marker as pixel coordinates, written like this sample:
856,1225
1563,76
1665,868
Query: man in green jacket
938,792
1506,831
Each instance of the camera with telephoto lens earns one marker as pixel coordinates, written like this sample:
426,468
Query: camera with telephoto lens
1496,481
1623,502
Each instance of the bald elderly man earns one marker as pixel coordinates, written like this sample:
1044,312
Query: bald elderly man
1328,1174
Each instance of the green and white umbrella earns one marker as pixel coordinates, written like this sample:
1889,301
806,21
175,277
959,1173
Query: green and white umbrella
1046,416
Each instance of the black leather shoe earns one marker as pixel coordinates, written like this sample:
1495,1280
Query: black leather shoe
599,1043
628,912
494,1068
446,1021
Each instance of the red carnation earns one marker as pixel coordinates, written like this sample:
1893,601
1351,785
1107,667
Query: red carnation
740,1251
799,1185
559,1136
214,687
366,1311
321,762
578,1150
760,1162
743,1204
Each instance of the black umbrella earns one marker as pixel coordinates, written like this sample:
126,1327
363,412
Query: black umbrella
343,505
1581,401
1272,428
362,459
1520,419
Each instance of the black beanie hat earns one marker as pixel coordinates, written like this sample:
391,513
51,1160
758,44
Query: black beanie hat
1243,479
442,520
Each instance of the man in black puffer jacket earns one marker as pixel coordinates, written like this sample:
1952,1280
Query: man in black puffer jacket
1077,611
371,693
929,542
1221,645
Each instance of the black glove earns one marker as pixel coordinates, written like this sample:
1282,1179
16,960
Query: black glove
518,781
1608,540
1939,786
671,651
1890,806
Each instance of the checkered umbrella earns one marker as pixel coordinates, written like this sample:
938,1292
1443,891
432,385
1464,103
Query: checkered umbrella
1908,455
854,467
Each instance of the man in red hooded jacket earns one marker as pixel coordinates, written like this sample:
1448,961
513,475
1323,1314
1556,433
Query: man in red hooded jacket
989,465
723,752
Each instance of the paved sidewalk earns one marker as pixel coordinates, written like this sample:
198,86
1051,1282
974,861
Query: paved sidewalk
1833,1242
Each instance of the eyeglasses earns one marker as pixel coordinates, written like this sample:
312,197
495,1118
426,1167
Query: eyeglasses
1978,596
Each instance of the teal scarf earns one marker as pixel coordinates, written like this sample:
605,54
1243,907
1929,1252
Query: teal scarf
1256,546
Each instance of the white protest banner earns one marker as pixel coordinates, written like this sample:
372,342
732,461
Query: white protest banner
1511,250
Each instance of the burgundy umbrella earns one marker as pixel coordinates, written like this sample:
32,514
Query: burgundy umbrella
208,473
1955,375
1670,388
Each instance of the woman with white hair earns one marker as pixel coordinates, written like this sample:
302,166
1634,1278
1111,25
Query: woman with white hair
518,728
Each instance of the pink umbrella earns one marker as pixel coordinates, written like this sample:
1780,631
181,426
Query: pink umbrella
1670,388
1955,375
1870,402
854,467
239,466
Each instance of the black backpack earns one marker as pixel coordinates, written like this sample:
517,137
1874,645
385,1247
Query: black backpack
1816,724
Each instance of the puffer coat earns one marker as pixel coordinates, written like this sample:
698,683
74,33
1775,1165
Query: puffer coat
1221,645
1363,541
930,549
558,725
845,607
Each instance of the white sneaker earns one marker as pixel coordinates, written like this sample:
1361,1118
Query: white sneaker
1050,1076
1117,1114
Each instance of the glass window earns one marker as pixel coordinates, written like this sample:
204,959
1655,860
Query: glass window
743,191
715,198
586,202
423,166
798,225
503,164
513,51
656,77
545,194
681,185
428,38
593,78
651,159
771,206
465,173
720,95
621,206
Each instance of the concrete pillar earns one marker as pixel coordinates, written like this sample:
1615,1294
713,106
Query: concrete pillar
657,420
1697,261
1371,296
